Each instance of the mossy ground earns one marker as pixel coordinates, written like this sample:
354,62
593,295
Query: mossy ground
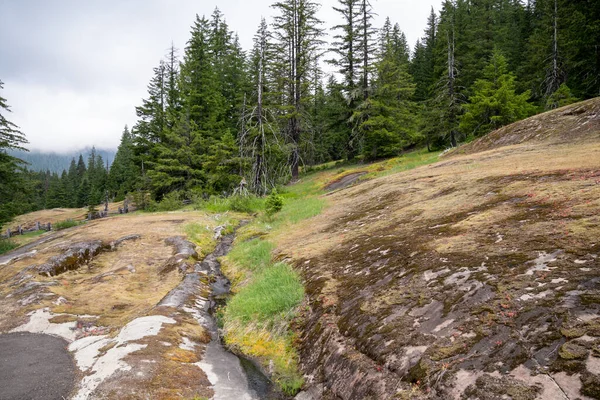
485,260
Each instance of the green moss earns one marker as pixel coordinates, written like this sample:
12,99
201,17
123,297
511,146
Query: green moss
442,352
572,351
69,223
572,333
590,298
244,204
590,385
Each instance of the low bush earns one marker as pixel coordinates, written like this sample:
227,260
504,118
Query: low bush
274,203
245,204
170,202
69,223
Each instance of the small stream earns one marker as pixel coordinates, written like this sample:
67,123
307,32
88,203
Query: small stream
233,377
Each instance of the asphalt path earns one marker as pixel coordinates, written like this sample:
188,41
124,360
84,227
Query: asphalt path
35,367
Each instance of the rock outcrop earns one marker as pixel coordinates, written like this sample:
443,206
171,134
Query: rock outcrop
76,255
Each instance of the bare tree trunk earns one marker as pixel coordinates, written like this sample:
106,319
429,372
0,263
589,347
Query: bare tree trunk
554,77
452,88
365,50
260,184
294,122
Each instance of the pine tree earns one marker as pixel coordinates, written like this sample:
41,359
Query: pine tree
72,185
346,47
494,102
445,106
11,168
172,89
580,21
83,193
152,120
334,113
220,163
298,35
387,116
560,98
56,196
178,166
202,99
123,172
423,63
229,63
366,45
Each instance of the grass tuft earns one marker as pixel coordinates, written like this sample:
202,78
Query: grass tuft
269,298
253,255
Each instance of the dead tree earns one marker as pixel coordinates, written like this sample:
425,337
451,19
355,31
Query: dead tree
554,75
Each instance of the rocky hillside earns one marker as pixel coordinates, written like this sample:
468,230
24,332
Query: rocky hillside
473,278
571,124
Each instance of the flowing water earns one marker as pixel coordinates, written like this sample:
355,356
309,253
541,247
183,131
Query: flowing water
232,377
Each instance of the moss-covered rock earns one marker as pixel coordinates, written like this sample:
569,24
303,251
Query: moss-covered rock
572,351
491,388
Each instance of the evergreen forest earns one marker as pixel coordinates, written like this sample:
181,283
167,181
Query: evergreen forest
216,114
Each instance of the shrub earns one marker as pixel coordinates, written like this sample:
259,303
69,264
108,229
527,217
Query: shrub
170,202
274,203
64,224
245,204
142,200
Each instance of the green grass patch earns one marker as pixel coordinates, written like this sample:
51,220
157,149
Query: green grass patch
300,209
203,235
33,234
256,320
253,255
413,160
7,245
69,223
269,298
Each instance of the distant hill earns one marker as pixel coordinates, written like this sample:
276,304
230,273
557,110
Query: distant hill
56,162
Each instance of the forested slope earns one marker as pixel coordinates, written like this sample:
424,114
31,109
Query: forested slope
215,113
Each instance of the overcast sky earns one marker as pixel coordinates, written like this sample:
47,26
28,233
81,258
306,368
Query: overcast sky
74,70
